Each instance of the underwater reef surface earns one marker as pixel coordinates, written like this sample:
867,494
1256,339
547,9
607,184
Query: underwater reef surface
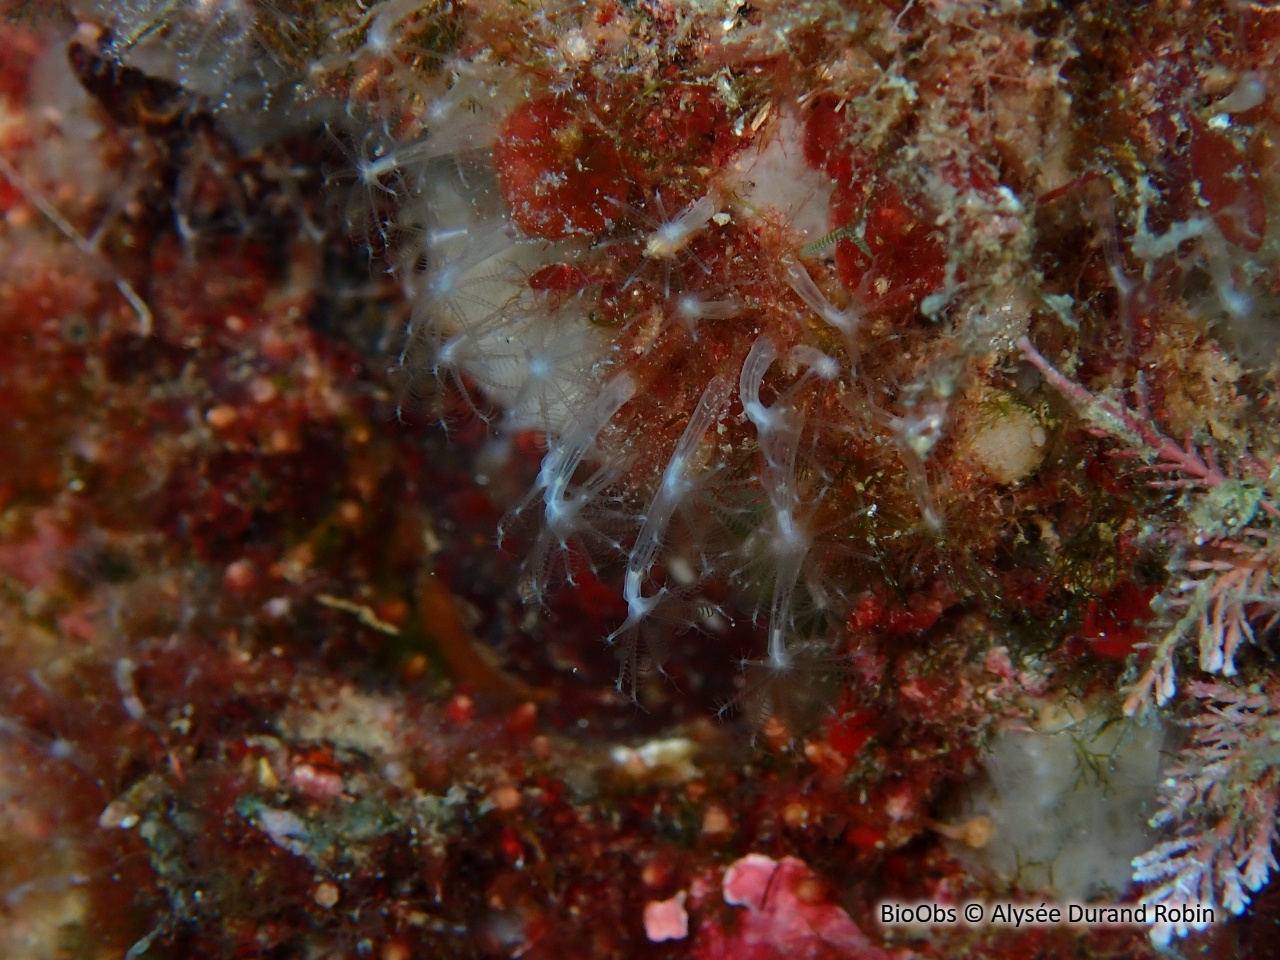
636,479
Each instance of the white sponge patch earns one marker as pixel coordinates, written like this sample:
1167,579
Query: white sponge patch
1069,804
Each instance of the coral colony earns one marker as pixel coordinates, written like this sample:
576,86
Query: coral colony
639,478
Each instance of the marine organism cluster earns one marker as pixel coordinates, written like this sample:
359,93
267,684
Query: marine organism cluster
494,477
